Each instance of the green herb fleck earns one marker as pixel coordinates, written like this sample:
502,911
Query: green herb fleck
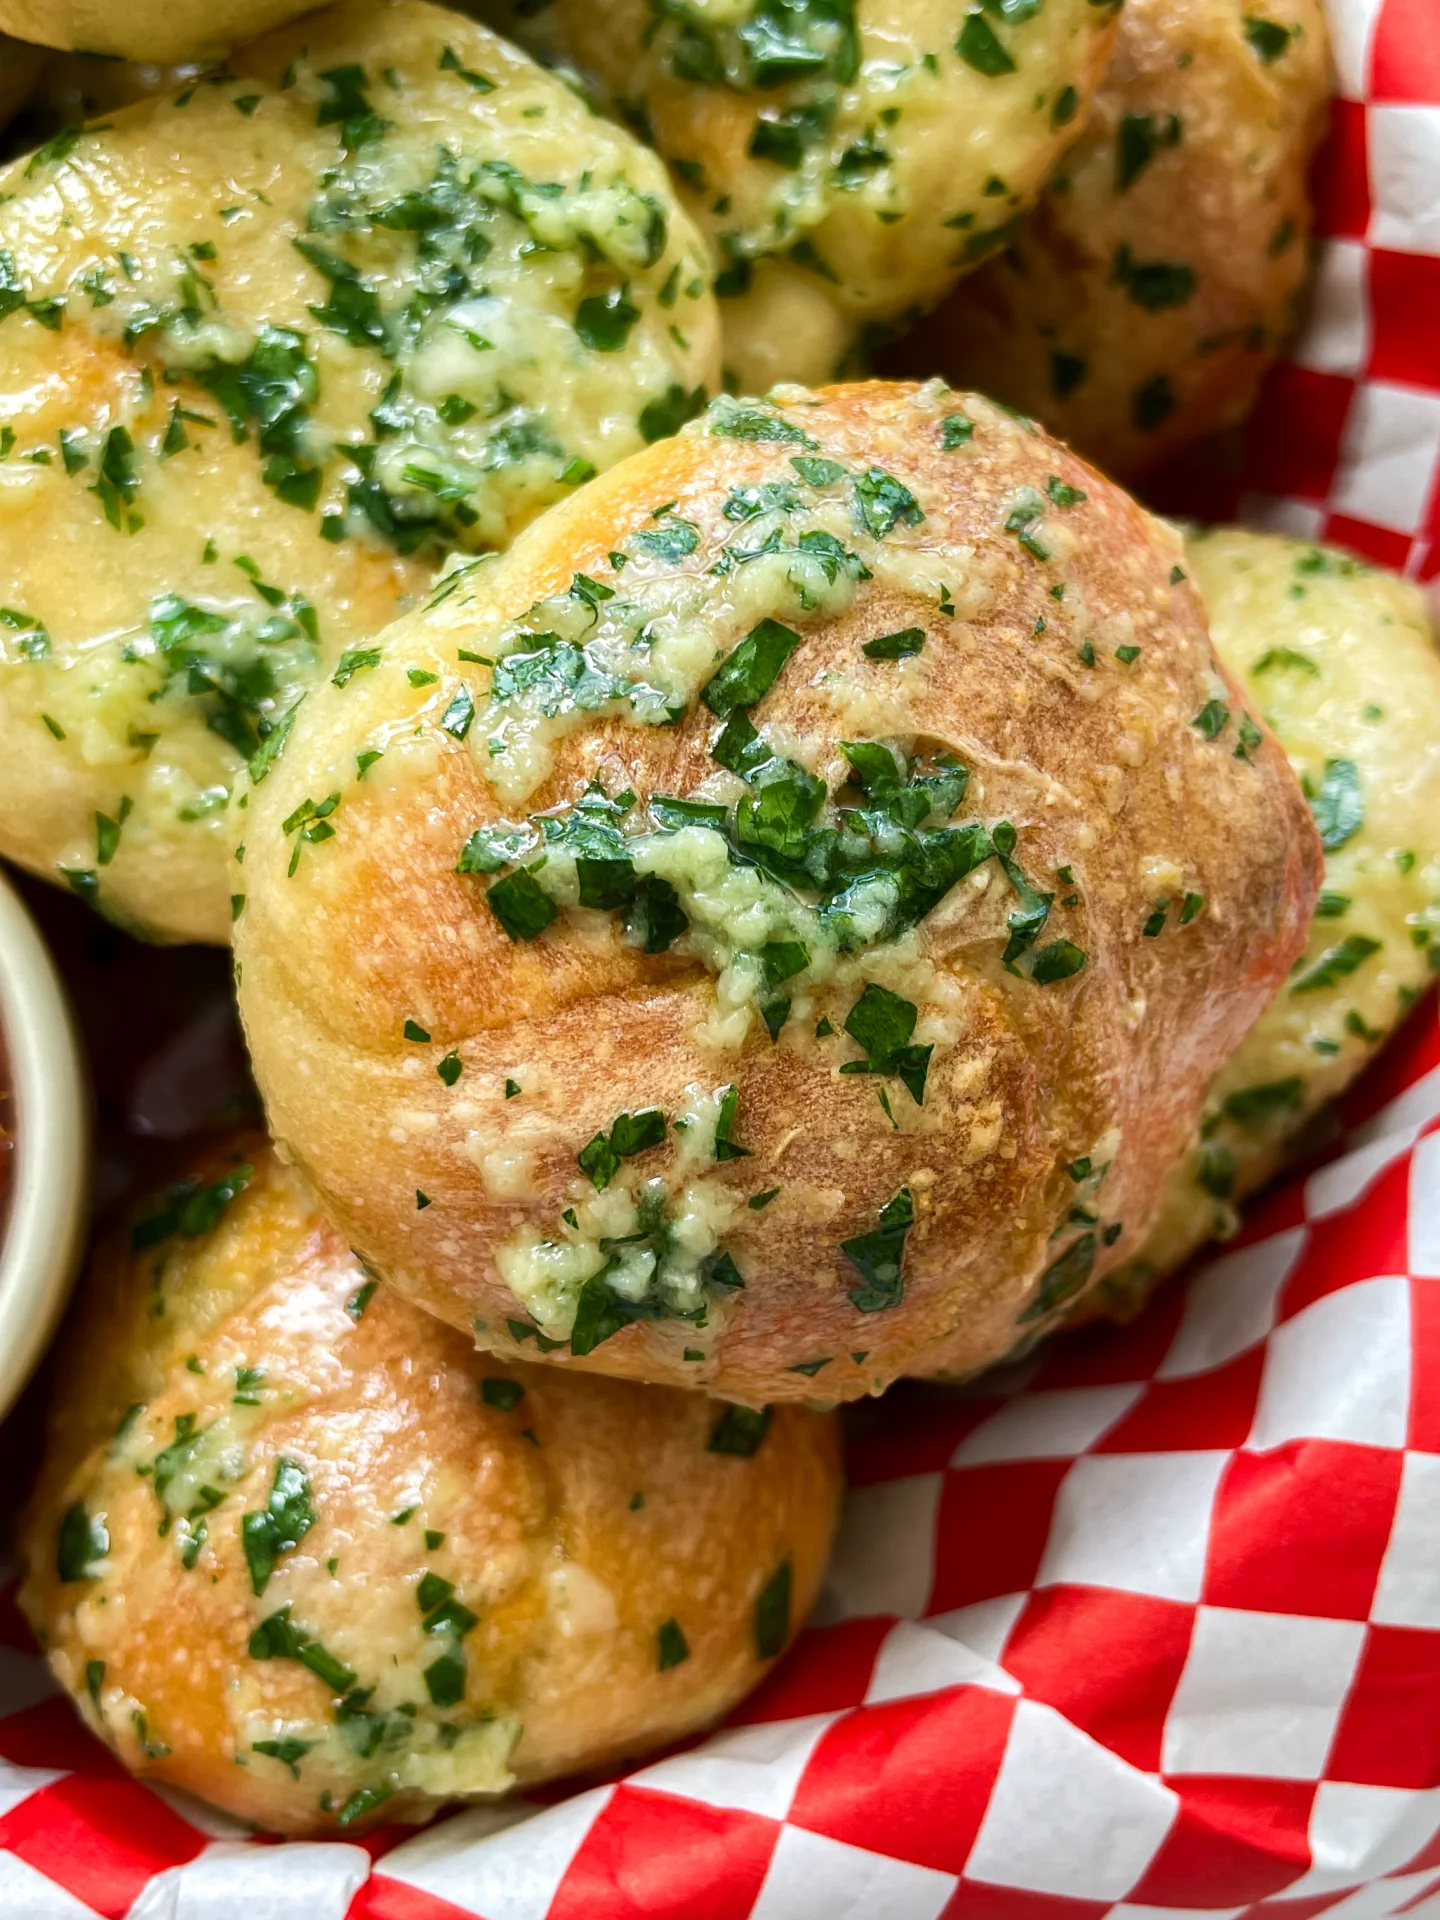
671,1645
1338,807
1064,1277
750,669
878,1256
979,47
355,1306
1212,719
280,1525
895,646
1267,38
1253,1106
1335,963
739,1431
278,1638
772,1612
83,1540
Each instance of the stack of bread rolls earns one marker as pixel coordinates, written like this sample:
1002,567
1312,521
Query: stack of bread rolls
743,888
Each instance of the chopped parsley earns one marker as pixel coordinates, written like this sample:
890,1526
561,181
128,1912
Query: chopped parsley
1154,285
673,539
1338,806
604,320
747,420
190,1209
1215,1170
817,472
518,902
1024,520
278,1638
884,502
980,47
772,1612
895,646
739,1431
1254,1106
1267,38
281,1523
661,418
82,1541
450,62
750,669
878,1256
288,1751
630,1134
458,715
118,483
355,1306
355,660
671,1645
363,1801
1274,657
1138,138
882,1024
1335,963
247,1384
725,1147
346,104
1063,1278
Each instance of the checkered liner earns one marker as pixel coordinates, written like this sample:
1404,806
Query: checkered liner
1343,444
1157,1630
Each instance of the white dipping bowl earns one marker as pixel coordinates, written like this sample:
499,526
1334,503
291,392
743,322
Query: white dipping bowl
43,1211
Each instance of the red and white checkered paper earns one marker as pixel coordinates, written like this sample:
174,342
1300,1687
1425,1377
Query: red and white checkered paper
1152,1632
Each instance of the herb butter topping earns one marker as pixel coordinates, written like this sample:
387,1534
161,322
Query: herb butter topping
1339,658
279,341
847,160
860,756
328,1565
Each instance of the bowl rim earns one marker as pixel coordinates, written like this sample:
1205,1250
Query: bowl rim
44,1217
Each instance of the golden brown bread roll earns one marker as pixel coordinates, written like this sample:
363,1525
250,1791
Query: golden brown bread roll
847,161
386,290
986,842
298,1549
161,30
1341,661
1135,311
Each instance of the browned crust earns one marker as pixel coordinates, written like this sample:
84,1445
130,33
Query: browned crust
1228,200
384,1412
1101,769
